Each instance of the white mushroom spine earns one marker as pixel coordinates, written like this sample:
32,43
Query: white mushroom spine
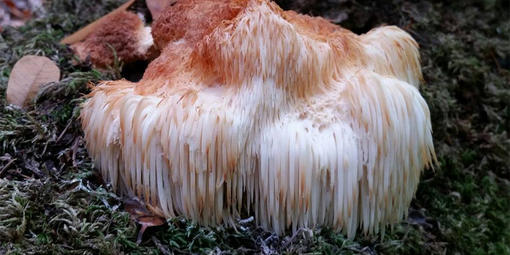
304,139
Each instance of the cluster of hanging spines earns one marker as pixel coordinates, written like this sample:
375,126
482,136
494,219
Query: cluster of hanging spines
339,176
300,179
347,156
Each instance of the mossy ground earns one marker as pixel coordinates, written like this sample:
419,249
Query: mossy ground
53,202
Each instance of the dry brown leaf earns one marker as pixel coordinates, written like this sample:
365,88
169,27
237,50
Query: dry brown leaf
84,32
145,222
27,76
156,7
150,221
135,208
138,211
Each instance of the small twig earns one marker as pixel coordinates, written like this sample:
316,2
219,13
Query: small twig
64,131
74,149
6,166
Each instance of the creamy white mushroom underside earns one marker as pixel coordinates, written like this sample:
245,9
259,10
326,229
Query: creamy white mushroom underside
346,154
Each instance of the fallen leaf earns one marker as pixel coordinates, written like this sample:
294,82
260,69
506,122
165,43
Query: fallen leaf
84,32
135,208
14,10
145,222
139,212
27,76
156,7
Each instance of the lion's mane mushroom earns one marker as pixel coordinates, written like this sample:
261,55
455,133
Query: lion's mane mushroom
123,34
284,116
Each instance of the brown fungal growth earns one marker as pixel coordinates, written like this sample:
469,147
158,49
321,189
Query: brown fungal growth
190,20
122,34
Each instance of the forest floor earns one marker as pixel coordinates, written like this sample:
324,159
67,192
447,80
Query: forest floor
52,201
